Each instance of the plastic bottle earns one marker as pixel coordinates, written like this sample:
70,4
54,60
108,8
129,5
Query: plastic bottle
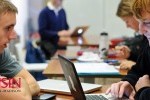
103,45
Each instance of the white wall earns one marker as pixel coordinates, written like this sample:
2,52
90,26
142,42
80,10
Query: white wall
35,7
22,18
100,15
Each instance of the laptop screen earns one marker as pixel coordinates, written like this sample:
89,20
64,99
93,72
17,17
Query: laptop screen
72,78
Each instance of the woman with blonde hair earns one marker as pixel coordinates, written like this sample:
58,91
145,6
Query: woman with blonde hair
130,48
136,84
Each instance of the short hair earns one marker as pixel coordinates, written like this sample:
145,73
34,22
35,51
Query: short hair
7,7
139,6
124,8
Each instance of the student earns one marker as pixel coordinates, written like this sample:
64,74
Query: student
9,67
138,76
53,27
130,48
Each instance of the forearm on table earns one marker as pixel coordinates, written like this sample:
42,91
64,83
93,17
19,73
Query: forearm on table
13,92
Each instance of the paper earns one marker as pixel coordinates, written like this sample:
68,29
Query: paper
89,57
101,68
35,66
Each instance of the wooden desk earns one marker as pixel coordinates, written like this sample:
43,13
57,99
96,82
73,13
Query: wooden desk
86,40
54,70
66,97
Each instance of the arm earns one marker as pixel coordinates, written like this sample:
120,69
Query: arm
143,94
143,88
126,64
133,55
141,66
127,85
10,68
34,87
66,24
22,93
135,46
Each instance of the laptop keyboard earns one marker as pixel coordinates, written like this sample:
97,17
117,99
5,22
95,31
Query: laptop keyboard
95,97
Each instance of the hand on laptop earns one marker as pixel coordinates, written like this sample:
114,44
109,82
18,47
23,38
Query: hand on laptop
64,33
121,88
143,82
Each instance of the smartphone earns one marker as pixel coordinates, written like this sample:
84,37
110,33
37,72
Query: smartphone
44,97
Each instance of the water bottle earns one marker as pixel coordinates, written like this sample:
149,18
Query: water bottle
103,45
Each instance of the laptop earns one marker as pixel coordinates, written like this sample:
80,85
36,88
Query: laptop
61,86
75,85
79,31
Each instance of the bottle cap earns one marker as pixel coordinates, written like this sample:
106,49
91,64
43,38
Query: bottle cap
104,33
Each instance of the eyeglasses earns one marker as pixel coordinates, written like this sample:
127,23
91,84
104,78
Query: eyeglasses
146,23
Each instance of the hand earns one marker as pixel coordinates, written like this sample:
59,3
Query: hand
64,33
142,82
63,41
126,64
122,52
121,88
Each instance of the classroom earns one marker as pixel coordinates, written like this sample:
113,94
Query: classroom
74,49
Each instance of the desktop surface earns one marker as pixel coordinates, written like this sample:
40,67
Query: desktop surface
54,70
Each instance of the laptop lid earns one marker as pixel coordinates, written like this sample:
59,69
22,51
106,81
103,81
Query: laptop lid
72,78
79,31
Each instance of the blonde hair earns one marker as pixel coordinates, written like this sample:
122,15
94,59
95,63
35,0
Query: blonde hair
6,7
139,6
124,8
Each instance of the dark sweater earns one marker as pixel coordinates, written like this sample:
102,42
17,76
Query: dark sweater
50,24
134,44
143,94
141,68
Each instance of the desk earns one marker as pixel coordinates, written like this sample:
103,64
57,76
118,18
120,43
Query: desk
65,97
86,40
54,70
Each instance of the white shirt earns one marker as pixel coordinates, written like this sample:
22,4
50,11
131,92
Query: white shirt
56,10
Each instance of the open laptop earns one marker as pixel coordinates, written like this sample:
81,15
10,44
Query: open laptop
75,85
79,31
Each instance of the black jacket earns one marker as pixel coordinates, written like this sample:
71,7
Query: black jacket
134,44
143,94
141,68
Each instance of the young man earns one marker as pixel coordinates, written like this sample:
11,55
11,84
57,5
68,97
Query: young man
53,27
9,67
137,81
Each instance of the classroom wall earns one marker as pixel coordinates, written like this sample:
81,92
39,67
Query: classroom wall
100,15
22,19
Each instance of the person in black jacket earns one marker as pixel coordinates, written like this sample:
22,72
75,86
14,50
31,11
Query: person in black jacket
136,84
130,47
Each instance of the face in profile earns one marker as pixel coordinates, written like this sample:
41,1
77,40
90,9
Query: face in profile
57,3
144,25
7,33
131,22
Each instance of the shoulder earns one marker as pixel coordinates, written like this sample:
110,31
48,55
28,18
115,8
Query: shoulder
5,54
45,10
